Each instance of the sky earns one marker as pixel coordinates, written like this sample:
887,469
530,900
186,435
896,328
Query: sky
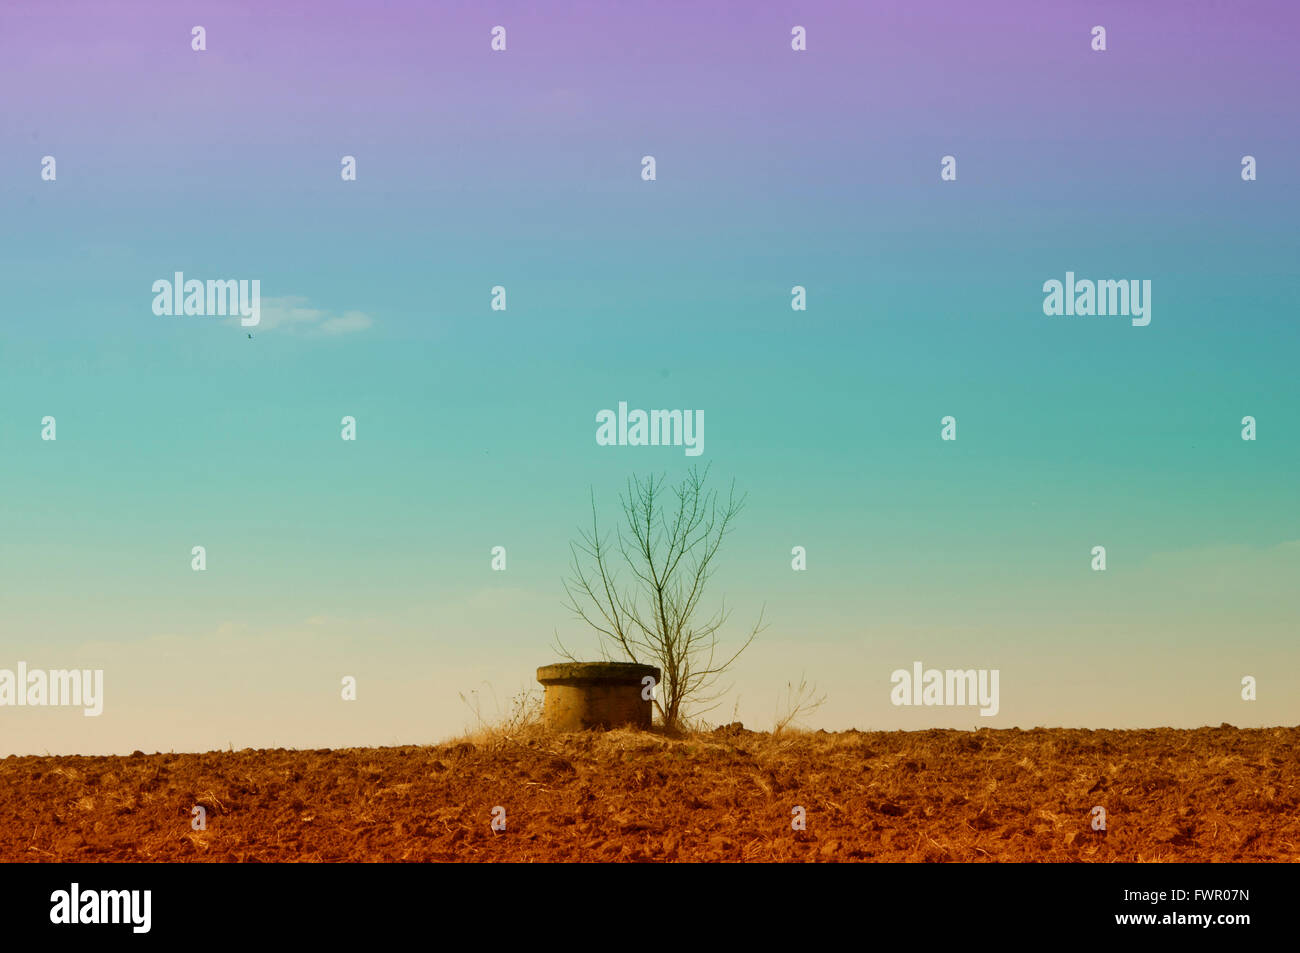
475,428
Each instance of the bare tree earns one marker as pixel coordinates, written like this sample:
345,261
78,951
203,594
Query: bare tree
668,545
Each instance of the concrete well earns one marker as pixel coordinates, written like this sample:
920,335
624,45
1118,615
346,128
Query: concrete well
582,695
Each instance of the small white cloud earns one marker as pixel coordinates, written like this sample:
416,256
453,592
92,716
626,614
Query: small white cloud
287,312
351,321
293,313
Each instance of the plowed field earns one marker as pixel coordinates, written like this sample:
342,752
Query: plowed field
1220,794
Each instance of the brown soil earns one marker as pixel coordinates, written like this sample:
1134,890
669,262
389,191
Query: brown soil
1220,794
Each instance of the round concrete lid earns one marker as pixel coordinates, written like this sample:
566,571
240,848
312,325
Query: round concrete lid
617,672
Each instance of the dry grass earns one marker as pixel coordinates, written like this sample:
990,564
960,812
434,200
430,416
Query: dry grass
799,703
522,720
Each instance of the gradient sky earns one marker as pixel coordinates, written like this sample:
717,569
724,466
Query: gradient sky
476,428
